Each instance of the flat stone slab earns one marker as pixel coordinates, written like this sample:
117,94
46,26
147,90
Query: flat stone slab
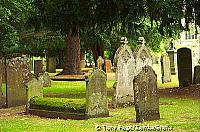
68,78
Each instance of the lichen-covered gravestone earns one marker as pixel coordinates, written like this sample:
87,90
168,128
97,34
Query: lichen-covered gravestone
196,75
165,68
18,75
142,56
46,81
100,63
125,71
96,95
184,61
146,95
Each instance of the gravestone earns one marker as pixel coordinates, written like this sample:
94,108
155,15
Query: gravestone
142,56
38,67
18,75
34,88
165,68
1,71
46,81
125,71
146,95
51,64
108,65
184,61
196,75
100,63
82,64
96,94
171,54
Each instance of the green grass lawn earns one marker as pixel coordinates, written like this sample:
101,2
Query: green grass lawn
181,114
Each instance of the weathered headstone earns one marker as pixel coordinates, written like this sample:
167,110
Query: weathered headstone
51,64
142,56
146,95
18,75
108,65
96,94
184,60
125,71
100,63
46,81
196,75
34,88
165,68
38,67
171,54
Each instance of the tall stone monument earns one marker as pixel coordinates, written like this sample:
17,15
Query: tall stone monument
124,62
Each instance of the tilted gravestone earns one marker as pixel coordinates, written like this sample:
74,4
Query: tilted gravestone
108,65
51,64
196,75
96,94
44,77
18,75
100,63
165,68
125,71
34,88
146,95
38,67
184,61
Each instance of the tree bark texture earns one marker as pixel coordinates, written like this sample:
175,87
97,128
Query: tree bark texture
72,66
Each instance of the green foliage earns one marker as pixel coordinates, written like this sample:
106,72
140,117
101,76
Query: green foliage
59,104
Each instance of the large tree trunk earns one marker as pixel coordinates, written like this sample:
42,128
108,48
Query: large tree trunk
72,66
97,50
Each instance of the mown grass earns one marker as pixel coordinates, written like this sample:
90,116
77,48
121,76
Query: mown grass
181,114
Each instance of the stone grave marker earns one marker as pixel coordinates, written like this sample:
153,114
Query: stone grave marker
184,61
51,64
125,71
108,65
34,88
44,77
165,68
196,75
96,94
100,63
38,67
18,75
82,64
171,54
146,95
142,56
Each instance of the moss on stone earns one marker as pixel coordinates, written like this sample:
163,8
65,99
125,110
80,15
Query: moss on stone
59,104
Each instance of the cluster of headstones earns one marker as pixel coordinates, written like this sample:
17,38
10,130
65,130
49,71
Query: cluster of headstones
20,83
136,81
